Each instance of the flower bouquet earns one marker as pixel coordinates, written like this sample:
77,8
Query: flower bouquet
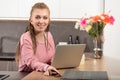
94,26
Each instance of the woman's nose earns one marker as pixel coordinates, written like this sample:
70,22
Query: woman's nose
41,20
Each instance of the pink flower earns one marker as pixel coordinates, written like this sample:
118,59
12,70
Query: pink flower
83,22
112,20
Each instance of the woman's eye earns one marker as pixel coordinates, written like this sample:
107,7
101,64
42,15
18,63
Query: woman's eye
37,17
45,17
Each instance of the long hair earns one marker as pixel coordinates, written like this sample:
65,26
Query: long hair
30,28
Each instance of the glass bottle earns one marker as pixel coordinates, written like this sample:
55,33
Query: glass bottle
70,40
77,41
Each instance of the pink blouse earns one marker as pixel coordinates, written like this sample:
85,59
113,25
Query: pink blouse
41,59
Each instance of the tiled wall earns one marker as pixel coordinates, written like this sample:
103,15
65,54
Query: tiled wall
10,31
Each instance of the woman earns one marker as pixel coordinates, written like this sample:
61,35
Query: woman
36,46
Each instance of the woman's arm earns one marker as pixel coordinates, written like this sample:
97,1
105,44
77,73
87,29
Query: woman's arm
28,58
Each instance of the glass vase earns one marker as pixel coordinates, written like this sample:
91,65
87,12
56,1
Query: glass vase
97,49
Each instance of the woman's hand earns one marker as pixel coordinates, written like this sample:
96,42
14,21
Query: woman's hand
52,71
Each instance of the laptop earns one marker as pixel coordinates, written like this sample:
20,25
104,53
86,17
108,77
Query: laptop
7,56
84,75
3,76
68,56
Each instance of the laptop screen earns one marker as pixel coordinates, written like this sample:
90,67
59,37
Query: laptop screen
68,56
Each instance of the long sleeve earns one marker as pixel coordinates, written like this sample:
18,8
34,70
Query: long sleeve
29,60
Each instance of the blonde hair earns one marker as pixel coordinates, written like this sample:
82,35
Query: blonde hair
30,28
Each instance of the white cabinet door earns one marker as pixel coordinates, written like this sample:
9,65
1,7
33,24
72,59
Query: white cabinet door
21,8
79,8
26,5
8,8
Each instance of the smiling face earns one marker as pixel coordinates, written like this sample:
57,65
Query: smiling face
40,19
